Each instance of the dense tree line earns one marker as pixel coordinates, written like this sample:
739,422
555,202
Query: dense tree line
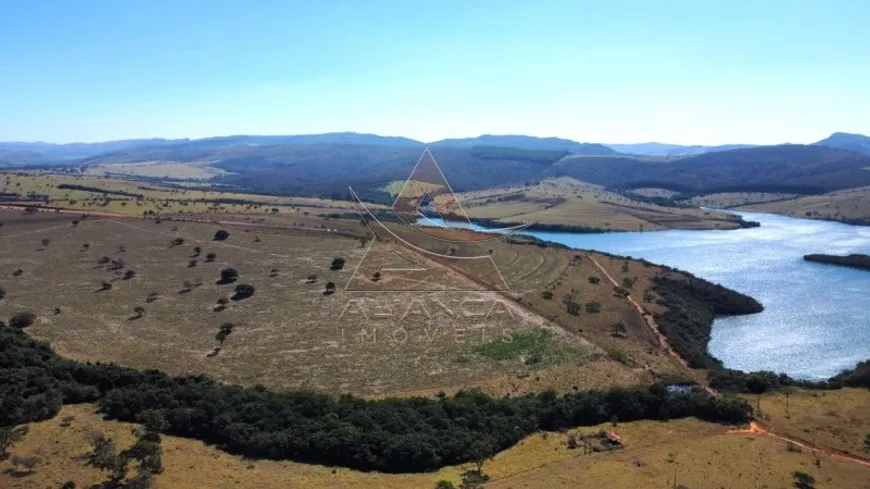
853,260
736,381
392,435
98,190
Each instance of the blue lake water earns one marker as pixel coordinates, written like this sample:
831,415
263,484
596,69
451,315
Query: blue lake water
816,320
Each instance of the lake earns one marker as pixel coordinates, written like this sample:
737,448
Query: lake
816,320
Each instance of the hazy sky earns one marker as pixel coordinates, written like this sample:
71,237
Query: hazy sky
693,72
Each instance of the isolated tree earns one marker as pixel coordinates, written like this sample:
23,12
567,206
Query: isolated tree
274,272
176,242
139,311
442,484
191,264
593,307
129,274
196,251
151,297
243,291
10,435
221,304
17,273
787,390
376,276
330,288
105,286
186,287
337,264
45,242
482,450
103,260
29,462
311,279
228,276
22,320
85,247
56,311
594,280
221,235
225,330
210,257
2,292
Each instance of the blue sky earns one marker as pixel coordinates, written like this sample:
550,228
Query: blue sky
699,72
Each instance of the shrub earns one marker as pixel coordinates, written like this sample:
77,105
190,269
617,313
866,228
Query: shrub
311,279
594,280
129,274
176,242
18,273
22,320
103,260
547,295
593,307
221,235
337,264
2,293
210,257
243,291
191,264
228,276
330,288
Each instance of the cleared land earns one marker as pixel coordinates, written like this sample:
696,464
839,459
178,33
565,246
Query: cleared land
158,169
569,202
852,205
699,454
291,334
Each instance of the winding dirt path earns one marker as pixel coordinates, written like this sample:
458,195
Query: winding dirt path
651,324
757,429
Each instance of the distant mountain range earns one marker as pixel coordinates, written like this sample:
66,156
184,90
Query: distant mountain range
528,142
663,149
19,154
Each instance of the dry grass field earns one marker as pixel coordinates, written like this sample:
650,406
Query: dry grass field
698,454
290,334
157,169
569,202
837,419
844,205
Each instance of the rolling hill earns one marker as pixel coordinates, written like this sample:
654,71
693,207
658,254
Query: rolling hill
527,142
852,142
800,169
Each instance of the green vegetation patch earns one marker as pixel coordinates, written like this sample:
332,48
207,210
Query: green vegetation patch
532,347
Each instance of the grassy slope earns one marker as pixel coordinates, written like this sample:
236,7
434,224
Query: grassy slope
851,205
570,202
157,198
